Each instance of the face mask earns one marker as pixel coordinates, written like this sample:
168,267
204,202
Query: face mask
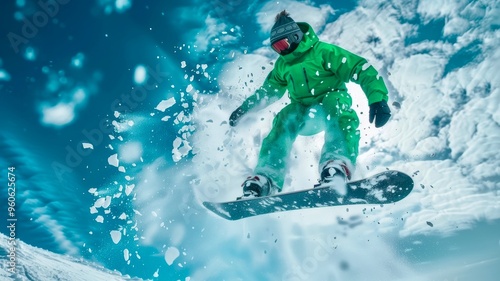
281,46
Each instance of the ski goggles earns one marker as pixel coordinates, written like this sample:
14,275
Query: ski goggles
281,45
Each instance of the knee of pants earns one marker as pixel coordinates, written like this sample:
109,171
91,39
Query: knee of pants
288,120
349,121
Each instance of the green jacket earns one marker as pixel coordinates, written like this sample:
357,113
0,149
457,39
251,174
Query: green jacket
314,69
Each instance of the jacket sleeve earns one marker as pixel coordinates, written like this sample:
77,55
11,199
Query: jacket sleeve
271,90
349,67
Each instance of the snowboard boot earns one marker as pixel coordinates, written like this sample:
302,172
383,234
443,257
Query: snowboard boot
335,175
257,186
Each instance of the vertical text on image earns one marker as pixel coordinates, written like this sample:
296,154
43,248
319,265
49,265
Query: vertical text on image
11,219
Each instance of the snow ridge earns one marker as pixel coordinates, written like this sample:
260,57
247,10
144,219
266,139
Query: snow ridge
33,263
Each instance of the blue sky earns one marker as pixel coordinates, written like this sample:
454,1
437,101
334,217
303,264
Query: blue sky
114,115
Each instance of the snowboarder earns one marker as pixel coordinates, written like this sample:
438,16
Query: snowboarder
315,74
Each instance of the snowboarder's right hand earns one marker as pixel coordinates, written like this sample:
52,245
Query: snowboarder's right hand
235,116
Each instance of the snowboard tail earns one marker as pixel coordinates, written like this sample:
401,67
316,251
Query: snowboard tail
383,188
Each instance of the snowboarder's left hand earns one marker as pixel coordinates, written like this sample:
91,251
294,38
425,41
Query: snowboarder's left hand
235,116
380,112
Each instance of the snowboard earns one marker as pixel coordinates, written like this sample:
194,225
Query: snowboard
383,188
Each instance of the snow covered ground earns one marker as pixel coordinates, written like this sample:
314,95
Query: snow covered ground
35,264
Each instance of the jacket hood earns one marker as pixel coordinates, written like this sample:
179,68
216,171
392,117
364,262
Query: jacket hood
310,38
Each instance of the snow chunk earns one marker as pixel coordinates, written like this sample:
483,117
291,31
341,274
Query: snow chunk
107,202
126,254
87,145
140,74
116,125
116,236
180,118
312,113
171,254
180,149
129,188
99,202
122,126
113,160
99,219
344,60
58,115
183,64
164,104
103,202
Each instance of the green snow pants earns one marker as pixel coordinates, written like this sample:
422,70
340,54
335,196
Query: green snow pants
332,113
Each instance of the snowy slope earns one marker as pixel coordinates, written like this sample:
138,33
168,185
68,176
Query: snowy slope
38,264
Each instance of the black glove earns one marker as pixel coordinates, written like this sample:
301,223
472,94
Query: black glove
235,116
380,112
